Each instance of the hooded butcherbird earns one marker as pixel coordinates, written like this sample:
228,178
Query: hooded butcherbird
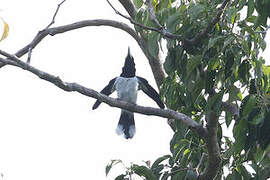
127,86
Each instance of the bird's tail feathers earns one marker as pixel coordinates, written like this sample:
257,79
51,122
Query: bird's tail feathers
126,124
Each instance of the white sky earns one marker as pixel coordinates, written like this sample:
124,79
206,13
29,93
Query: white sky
46,133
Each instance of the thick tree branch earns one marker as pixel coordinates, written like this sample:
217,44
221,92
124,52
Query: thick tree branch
166,113
61,29
129,7
232,108
212,145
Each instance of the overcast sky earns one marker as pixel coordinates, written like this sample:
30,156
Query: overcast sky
46,133
49,134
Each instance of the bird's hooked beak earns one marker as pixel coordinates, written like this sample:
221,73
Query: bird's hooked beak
129,51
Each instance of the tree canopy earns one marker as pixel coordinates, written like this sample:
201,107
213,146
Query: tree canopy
216,75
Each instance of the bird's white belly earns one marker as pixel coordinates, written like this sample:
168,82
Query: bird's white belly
127,88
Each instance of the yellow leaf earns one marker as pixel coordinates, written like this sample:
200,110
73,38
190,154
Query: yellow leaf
5,32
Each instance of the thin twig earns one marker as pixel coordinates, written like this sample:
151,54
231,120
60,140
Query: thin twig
152,14
204,155
132,21
69,27
264,31
54,16
169,35
47,27
29,55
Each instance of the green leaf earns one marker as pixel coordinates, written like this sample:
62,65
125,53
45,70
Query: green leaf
259,155
143,171
187,151
214,40
258,119
250,104
229,63
228,41
138,3
153,43
263,45
193,62
242,3
231,14
172,21
236,175
159,160
170,64
191,174
266,70
120,177
239,133
234,93
243,171
179,175
243,70
246,47
214,102
195,10
251,7
164,4
213,63
210,80
109,166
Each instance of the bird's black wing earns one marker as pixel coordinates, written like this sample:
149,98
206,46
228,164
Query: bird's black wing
107,91
150,91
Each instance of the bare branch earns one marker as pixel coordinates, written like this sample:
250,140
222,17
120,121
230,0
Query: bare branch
51,23
61,29
129,7
166,113
155,64
133,21
161,31
204,155
152,15
29,55
54,16
232,108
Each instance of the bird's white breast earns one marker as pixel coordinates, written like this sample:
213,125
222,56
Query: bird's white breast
127,88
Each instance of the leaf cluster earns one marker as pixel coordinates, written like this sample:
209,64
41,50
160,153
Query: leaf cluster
223,66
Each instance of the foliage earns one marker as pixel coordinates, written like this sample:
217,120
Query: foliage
224,66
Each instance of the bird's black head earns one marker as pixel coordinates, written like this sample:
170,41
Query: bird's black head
129,68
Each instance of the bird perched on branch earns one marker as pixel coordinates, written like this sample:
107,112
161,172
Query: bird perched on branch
127,86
